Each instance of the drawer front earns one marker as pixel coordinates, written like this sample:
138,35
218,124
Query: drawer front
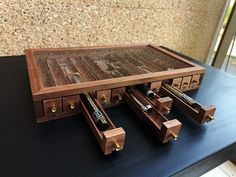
195,81
185,83
104,97
155,85
71,104
177,82
117,95
52,107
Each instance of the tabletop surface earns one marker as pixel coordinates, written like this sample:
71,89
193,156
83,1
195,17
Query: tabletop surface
67,147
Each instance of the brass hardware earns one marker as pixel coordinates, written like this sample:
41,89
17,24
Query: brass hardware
104,98
53,109
210,117
72,106
176,85
193,83
116,145
167,109
185,84
174,136
119,98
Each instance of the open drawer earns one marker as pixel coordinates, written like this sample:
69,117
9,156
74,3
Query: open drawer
163,104
165,129
150,92
112,139
198,112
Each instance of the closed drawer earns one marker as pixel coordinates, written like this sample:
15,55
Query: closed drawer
195,81
155,85
185,83
52,107
104,97
177,82
117,95
71,104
